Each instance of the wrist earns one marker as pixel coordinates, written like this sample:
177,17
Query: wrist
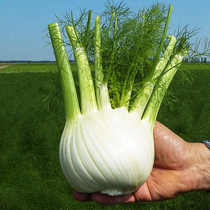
200,166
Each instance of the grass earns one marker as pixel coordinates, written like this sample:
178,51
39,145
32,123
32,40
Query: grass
30,174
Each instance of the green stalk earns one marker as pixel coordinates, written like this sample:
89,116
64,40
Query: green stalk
87,92
163,38
88,27
142,98
161,87
113,47
128,85
165,58
67,81
109,27
147,89
101,86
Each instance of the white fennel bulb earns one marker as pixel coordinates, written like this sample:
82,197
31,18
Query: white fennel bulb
110,151
107,144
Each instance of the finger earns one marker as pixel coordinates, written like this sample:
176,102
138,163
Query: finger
82,197
105,199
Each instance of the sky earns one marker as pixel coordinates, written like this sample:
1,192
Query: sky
23,23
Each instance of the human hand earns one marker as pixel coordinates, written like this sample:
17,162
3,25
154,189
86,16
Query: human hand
174,171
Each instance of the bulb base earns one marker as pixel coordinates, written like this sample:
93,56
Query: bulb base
118,191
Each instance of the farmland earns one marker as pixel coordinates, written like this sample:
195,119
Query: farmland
31,125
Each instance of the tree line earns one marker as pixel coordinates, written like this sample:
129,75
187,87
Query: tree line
196,60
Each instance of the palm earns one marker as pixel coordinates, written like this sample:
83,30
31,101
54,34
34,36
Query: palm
168,178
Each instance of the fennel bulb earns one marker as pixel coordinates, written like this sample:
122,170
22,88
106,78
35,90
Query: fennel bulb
107,144
109,151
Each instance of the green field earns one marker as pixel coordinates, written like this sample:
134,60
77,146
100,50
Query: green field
30,130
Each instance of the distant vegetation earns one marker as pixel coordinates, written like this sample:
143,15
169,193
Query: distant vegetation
52,67
193,60
197,60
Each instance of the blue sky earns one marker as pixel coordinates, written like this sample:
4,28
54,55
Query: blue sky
23,22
